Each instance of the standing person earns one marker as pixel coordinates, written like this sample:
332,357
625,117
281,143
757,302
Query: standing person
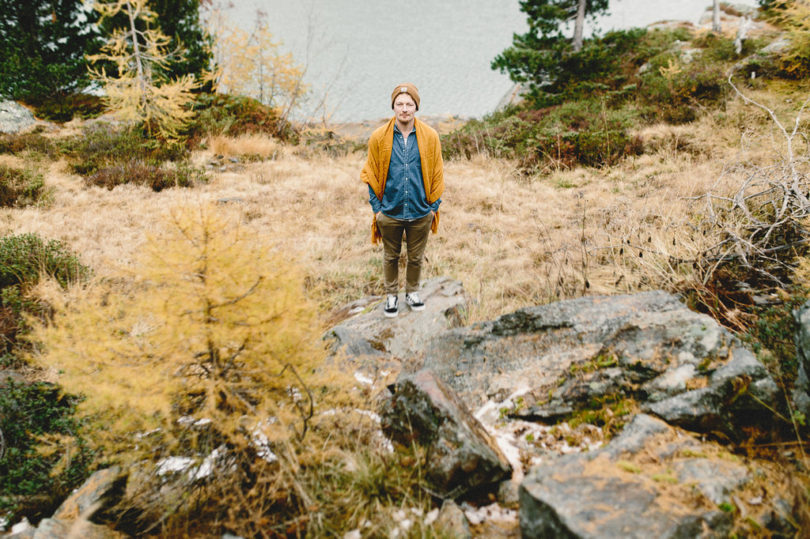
405,178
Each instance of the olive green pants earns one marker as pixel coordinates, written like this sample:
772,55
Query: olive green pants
416,235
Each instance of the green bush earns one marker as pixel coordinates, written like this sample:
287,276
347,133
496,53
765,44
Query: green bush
585,113
33,483
774,330
583,132
24,259
715,47
606,66
224,114
674,91
103,145
20,187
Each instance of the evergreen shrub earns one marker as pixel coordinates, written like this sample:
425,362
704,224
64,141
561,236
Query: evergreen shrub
675,92
583,132
153,176
24,259
61,108
586,112
33,481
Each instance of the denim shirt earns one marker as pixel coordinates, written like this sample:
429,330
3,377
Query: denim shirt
404,197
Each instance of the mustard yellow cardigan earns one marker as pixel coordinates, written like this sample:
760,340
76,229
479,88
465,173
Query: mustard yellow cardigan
375,171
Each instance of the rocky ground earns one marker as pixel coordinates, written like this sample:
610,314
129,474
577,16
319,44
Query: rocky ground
595,417
522,409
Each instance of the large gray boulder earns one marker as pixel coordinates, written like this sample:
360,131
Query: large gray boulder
14,117
578,354
461,456
801,392
651,481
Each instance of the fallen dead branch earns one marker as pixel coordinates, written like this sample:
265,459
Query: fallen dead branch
761,222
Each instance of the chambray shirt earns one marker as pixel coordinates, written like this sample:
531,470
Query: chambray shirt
404,197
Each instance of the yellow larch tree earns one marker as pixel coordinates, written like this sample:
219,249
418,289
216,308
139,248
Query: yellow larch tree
253,64
211,328
137,91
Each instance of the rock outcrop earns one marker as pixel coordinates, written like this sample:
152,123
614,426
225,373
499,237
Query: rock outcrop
14,117
368,334
461,456
653,480
801,392
644,354
82,513
579,354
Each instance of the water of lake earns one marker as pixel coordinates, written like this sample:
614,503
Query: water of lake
356,51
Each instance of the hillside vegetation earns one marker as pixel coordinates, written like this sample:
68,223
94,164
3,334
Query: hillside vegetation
647,170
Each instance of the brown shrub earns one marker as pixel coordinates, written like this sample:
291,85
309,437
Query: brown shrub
19,143
19,187
149,175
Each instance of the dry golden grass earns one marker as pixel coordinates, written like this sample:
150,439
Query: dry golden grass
513,241
251,145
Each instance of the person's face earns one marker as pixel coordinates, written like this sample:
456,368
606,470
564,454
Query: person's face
404,108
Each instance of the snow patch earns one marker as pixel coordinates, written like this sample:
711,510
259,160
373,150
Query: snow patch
492,512
363,379
174,464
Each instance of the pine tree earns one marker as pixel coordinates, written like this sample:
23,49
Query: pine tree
180,21
536,56
42,48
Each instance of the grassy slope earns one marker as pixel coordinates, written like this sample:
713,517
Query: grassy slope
512,240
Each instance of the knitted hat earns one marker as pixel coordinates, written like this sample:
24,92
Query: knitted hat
406,88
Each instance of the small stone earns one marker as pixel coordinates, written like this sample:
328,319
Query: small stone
453,521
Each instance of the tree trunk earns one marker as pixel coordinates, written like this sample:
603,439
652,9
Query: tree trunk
716,16
579,24
136,54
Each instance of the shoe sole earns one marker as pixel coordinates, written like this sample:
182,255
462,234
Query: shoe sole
421,308
391,315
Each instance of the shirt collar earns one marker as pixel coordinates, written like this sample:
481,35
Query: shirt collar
397,130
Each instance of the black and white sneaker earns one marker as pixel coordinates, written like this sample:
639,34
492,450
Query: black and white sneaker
414,302
391,309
